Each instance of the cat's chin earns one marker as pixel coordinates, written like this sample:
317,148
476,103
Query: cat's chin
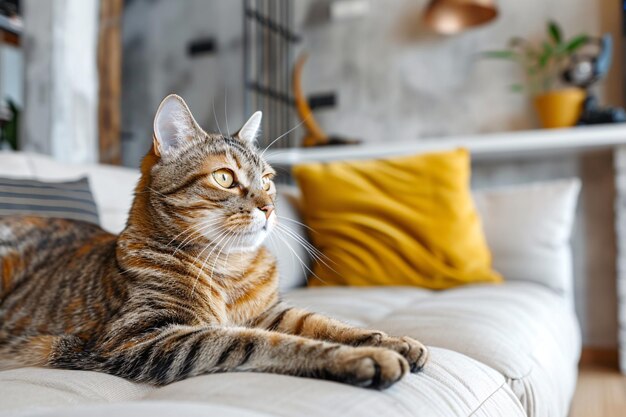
247,241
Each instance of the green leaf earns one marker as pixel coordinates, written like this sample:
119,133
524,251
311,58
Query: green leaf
545,55
517,88
576,43
547,48
500,54
555,31
10,130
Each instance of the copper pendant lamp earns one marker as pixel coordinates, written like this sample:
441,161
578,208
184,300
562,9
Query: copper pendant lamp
453,16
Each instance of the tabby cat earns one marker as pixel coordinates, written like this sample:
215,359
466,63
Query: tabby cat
186,288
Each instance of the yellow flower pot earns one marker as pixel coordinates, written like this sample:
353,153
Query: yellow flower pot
560,108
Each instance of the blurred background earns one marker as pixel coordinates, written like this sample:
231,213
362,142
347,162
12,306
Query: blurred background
84,72
80,80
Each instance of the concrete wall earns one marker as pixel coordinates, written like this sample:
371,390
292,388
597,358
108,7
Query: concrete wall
156,35
61,79
394,82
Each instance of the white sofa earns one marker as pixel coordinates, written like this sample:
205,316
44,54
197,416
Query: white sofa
496,350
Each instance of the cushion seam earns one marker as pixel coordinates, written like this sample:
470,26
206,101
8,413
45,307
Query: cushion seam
394,311
487,399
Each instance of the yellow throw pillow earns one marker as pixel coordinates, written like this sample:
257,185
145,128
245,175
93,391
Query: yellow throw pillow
403,221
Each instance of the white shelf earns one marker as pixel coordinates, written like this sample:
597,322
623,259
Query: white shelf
486,146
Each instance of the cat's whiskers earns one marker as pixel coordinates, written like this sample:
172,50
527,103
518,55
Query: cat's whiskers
299,259
217,257
241,254
297,222
218,244
273,239
155,191
193,226
224,235
284,134
302,241
220,233
311,250
226,111
215,116
198,231
238,239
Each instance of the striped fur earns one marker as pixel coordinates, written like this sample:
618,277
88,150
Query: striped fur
186,289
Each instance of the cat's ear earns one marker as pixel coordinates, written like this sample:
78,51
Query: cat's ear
173,124
250,129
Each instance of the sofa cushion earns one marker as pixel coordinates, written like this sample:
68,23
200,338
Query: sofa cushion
451,385
112,187
15,164
412,215
528,228
36,389
523,330
67,199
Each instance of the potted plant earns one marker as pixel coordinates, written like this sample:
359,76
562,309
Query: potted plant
556,103
9,119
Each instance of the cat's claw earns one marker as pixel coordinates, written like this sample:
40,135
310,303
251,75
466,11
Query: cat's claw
415,353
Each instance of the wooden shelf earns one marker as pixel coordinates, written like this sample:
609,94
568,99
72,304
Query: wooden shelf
487,146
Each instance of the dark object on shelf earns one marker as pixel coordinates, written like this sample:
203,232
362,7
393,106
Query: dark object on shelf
337,140
201,47
593,114
319,101
585,69
314,134
10,22
10,8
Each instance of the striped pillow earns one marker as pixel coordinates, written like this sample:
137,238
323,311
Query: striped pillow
68,200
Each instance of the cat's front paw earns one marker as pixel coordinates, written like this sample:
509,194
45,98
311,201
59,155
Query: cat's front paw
371,367
413,351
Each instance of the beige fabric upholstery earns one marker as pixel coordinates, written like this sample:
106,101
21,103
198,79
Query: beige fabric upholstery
40,388
451,385
522,340
507,350
524,331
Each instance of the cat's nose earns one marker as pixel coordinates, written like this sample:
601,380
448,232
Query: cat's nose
267,209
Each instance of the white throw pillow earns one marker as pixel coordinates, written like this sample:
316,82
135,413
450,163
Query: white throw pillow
528,229
15,165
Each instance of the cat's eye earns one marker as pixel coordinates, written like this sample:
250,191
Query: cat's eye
224,177
266,181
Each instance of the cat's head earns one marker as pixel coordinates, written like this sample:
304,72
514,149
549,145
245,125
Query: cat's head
209,187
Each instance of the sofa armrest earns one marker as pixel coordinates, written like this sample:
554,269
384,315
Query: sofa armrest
528,229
